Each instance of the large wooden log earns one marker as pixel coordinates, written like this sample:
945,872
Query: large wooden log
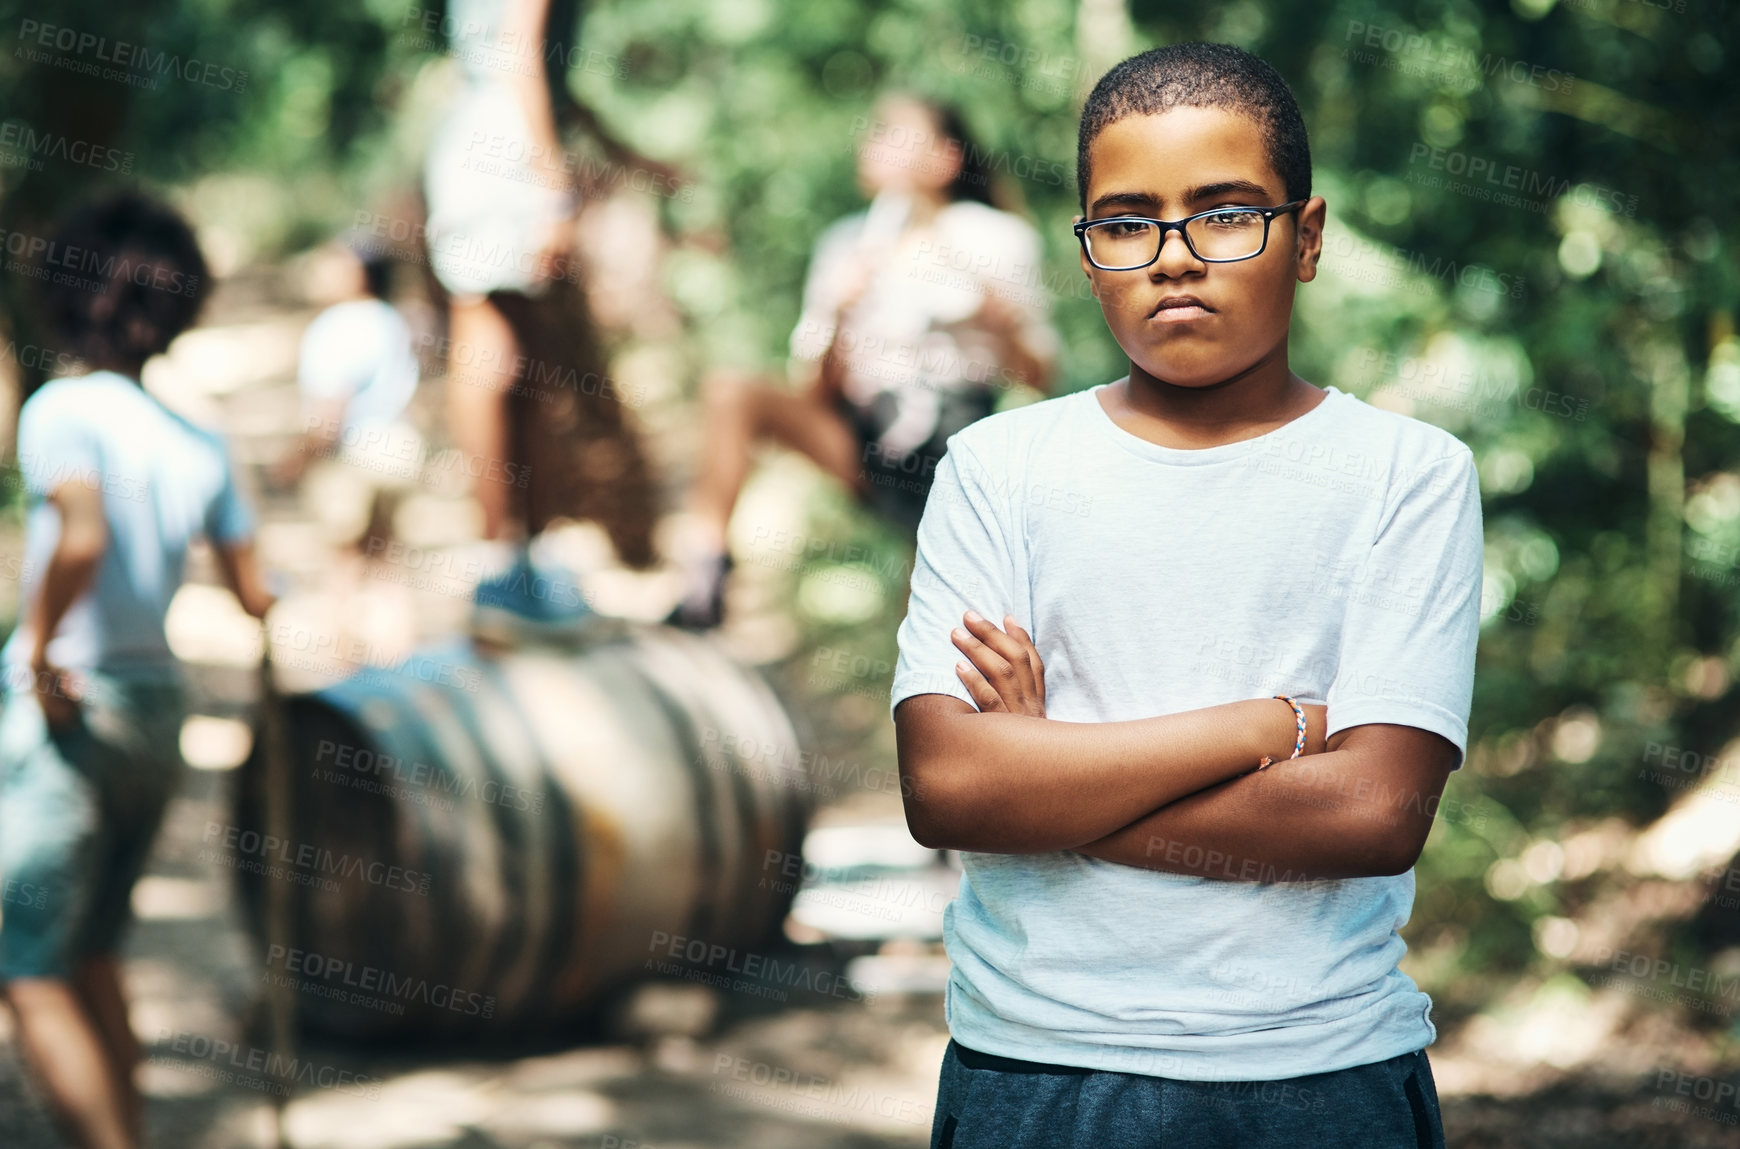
488,843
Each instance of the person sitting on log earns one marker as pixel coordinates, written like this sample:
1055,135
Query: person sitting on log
918,315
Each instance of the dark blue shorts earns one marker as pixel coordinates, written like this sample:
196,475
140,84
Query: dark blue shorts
989,1102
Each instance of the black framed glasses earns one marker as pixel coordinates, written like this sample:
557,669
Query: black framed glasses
1221,235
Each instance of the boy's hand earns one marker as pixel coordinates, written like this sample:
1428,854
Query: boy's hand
1005,672
57,692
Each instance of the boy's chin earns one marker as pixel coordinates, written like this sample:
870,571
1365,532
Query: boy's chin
1191,376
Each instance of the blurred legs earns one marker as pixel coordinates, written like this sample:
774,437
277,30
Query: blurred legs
740,409
98,983
66,1048
477,393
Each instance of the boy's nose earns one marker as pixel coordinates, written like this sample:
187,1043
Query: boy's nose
1175,256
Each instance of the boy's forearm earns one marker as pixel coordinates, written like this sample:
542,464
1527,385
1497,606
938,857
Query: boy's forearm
72,567
1296,821
241,569
1005,783
68,576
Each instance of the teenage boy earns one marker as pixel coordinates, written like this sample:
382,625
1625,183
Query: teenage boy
1161,939
117,487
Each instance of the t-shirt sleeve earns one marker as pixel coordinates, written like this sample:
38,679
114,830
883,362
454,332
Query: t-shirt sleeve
230,519
56,446
1413,613
970,557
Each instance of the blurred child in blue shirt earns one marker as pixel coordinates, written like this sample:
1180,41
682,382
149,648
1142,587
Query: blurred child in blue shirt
118,486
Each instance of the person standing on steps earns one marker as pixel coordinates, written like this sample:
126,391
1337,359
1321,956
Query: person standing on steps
918,314
118,486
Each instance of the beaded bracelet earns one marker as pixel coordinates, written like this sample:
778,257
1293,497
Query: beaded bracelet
1299,742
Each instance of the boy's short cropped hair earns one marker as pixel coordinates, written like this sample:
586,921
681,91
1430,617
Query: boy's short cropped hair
130,278
1199,75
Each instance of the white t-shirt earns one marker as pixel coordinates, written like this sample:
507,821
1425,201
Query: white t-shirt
1337,559
164,481
360,351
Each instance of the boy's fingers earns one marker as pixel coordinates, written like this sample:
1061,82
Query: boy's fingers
991,663
1019,634
984,696
999,673
986,631
1034,662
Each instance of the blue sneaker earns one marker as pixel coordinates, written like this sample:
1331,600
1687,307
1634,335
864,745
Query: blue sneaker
528,601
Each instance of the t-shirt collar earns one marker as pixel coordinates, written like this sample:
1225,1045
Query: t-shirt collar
1106,426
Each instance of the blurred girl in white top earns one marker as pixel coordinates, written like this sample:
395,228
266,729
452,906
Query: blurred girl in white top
917,314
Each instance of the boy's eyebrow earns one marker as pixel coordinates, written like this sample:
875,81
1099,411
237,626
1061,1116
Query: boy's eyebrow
1224,187
1191,195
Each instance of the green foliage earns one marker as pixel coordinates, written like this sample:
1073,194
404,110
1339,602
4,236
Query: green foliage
288,106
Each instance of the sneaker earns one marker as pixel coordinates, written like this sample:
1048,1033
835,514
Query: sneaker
704,606
528,601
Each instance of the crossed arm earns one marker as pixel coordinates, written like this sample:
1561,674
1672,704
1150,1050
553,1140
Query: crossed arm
1178,792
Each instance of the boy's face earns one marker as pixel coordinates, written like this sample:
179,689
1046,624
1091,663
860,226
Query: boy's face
1175,164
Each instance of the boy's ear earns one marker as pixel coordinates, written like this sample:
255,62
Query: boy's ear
1309,245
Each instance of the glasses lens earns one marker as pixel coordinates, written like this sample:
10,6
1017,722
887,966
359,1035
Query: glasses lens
1122,244
1232,234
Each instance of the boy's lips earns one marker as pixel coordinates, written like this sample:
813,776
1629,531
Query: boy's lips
1179,308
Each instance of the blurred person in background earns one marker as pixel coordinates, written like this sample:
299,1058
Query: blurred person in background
357,370
357,374
917,314
118,487
524,402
